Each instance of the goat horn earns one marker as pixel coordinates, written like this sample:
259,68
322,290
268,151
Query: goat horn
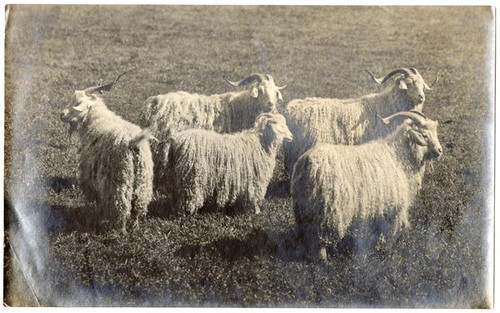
246,81
78,109
416,116
381,80
101,88
419,113
266,115
281,87
432,85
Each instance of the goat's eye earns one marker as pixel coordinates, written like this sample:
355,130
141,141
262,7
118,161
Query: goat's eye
425,136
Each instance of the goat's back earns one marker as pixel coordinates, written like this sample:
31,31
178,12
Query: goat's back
177,111
224,166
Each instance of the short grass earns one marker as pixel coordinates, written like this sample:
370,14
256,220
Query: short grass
244,260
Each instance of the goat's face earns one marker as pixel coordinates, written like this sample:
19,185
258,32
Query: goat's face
273,127
76,112
410,83
267,94
83,100
426,139
414,88
263,90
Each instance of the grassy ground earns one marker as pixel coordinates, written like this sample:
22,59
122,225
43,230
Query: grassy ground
246,260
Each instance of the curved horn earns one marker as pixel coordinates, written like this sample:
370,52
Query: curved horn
246,81
78,109
101,88
281,87
382,80
432,85
261,119
419,113
266,115
416,116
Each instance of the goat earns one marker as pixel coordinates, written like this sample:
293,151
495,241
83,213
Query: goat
332,185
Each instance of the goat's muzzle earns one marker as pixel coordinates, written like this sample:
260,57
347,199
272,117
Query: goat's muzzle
436,153
63,117
271,107
73,125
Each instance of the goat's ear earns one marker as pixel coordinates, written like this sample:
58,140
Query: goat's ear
402,84
80,94
417,137
280,96
254,93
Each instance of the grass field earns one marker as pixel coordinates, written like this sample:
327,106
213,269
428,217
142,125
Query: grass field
246,260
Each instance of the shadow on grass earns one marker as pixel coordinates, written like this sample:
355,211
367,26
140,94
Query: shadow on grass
70,216
66,219
258,243
278,189
286,246
60,184
160,207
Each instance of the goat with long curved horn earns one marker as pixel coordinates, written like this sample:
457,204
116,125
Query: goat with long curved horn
404,71
327,120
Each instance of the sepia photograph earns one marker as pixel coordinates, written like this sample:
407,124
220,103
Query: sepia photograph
249,156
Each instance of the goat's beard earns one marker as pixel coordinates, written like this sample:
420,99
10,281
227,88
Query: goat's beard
72,128
430,165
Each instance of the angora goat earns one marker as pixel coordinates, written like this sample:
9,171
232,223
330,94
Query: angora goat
229,112
115,164
351,121
332,185
224,170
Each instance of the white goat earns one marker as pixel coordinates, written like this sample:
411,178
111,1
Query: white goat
115,165
225,170
351,121
332,185
229,112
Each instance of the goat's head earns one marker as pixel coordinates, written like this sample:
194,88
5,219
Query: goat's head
273,128
422,133
263,89
82,101
409,82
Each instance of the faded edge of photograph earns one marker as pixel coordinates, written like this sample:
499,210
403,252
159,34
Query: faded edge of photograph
249,156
